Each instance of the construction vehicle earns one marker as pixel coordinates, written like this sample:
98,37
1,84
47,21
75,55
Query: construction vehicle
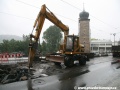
70,50
116,51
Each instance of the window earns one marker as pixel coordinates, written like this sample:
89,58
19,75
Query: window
69,45
109,44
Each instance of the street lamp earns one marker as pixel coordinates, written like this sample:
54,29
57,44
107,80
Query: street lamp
114,38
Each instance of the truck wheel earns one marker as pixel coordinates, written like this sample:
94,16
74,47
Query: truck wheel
68,61
57,63
36,58
82,60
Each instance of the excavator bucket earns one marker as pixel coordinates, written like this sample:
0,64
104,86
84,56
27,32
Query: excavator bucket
55,58
31,56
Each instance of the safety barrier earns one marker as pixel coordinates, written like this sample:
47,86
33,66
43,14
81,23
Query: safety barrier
11,58
4,57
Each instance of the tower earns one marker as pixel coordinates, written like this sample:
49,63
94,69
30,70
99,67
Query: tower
84,30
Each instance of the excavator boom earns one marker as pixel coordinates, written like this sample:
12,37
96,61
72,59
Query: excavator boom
70,50
44,13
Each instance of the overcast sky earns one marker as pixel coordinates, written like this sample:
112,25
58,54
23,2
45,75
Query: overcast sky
17,16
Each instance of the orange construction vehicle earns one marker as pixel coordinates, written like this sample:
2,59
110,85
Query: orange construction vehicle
70,50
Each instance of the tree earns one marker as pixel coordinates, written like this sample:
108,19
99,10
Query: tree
43,48
52,37
15,45
24,46
119,42
4,47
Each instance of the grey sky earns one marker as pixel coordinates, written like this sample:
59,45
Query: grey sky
17,16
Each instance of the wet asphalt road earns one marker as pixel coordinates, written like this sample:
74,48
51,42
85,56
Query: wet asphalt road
98,72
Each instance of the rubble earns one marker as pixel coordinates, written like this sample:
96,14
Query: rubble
19,72
12,73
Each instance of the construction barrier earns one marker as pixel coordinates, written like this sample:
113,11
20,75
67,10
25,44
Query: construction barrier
6,57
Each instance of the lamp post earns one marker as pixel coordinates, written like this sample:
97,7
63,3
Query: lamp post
114,38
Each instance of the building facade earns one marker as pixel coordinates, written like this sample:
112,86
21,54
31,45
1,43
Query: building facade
101,46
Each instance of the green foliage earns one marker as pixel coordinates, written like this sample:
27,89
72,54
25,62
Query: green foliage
52,37
119,42
15,45
43,48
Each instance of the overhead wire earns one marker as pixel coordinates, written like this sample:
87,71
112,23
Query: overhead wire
67,17
55,13
27,4
111,26
16,15
71,5
90,14
39,8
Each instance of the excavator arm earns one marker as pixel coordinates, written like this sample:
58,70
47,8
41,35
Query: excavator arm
44,13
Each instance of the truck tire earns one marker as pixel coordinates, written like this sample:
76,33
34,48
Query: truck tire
57,63
68,61
82,60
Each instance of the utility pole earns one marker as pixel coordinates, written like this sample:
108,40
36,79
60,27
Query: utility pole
114,38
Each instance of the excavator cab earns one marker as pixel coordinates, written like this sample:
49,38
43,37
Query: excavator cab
72,43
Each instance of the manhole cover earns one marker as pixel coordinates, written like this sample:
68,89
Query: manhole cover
38,82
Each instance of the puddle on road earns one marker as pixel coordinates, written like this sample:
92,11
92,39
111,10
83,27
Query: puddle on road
73,74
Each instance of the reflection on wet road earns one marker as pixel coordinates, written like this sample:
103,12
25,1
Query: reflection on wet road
97,72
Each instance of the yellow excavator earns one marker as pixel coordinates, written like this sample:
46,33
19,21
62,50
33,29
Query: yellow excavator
70,50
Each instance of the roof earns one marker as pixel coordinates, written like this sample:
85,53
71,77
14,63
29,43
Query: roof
84,15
